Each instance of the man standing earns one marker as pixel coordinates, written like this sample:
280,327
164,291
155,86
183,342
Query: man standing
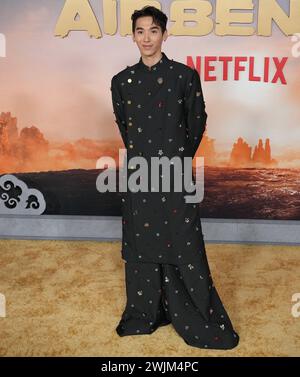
160,113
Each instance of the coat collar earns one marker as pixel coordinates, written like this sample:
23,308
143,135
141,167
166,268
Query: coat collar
162,62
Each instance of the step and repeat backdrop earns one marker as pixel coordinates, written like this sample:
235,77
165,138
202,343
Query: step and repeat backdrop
57,126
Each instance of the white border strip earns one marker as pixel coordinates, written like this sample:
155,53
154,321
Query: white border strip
109,228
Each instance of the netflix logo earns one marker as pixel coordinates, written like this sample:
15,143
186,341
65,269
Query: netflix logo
229,68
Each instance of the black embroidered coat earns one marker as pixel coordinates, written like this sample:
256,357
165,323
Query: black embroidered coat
160,112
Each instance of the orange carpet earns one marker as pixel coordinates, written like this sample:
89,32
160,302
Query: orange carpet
65,298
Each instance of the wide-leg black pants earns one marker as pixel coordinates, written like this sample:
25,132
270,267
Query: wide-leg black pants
184,295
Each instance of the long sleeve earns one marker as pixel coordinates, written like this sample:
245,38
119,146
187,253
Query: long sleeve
196,115
118,110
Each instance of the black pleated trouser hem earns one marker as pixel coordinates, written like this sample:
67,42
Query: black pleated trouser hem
184,295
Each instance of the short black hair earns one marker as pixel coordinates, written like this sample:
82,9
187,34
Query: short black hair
159,18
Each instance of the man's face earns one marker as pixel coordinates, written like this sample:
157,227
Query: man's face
148,36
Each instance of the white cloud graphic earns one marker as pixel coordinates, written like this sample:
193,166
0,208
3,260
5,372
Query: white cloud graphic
16,198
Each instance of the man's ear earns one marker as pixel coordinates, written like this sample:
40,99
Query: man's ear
165,36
